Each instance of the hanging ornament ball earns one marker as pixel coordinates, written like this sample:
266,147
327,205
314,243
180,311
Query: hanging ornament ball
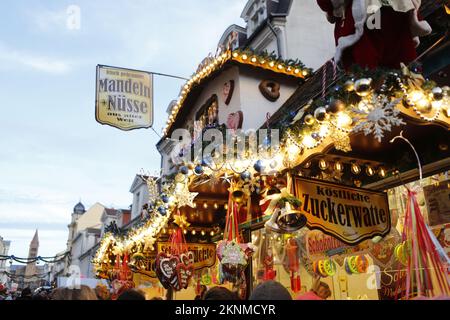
273,164
362,87
246,175
259,166
424,105
309,120
165,198
321,114
349,86
446,90
266,142
315,136
184,170
191,166
438,93
162,211
336,105
198,170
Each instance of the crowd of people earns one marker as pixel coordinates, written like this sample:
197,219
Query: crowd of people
269,290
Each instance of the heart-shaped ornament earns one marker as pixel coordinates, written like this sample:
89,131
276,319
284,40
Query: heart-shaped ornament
168,266
228,89
234,120
184,275
383,251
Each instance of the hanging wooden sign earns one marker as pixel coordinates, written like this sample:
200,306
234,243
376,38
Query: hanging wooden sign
351,215
124,98
201,255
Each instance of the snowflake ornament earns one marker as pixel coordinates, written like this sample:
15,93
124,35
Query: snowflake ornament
379,117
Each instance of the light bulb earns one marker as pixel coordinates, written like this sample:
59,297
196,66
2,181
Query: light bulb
343,120
193,232
323,164
338,166
323,130
369,170
308,141
356,169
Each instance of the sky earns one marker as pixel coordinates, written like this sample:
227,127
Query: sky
53,153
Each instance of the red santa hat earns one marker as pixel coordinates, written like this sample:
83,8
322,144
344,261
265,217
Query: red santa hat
361,9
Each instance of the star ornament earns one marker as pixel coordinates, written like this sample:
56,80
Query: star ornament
186,198
181,221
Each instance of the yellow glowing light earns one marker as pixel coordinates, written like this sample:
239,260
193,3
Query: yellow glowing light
343,120
280,66
244,57
184,231
195,205
356,169
338,166
203,232
436,104
254,60
235,55
382,172
309,141
216,206
364,105
305,73
193,232
225,206
422,103
205,205
211,233
416,95
323,164
296,71
323,130
370,171
293,149
272,64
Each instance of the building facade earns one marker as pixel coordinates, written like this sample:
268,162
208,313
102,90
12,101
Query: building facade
31,275
288,28
85,231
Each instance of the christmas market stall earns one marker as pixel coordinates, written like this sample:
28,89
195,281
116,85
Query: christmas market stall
273,172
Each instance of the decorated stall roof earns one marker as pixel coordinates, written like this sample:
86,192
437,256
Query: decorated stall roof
212,65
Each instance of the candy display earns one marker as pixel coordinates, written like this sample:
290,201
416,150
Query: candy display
356,264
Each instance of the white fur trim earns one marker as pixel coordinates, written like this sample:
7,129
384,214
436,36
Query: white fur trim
418,28
359,12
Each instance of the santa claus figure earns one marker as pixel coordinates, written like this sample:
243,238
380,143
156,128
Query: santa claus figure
375,33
